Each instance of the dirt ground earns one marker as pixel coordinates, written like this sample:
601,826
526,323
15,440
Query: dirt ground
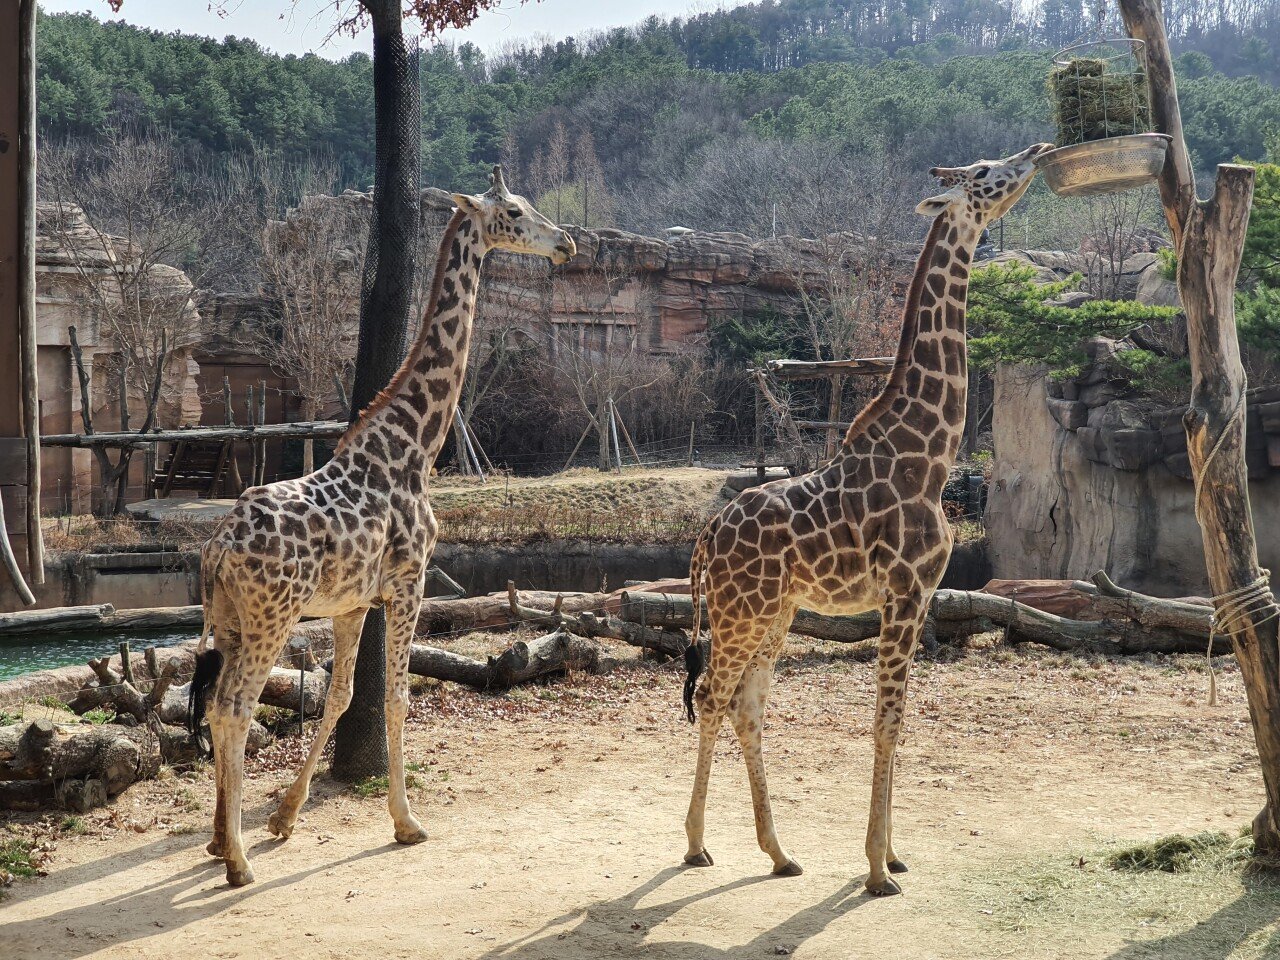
557,812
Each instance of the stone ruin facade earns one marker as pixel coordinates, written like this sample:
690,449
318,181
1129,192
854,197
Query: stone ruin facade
69,255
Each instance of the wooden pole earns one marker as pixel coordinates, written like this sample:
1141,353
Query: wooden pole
27,329
1209,239
692,425
833,415
574,452
260,477
250,406
622,425
11,563
613,436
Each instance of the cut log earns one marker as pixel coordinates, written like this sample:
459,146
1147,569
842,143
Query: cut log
960,613
54,620
670,610
587,624
555,653
42,750
441,615
1051,596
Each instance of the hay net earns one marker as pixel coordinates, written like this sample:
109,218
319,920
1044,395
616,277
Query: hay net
1098,89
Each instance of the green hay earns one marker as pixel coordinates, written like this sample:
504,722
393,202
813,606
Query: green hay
1093,101
1175,853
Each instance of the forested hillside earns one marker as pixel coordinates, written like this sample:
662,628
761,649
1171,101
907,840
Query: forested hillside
727,120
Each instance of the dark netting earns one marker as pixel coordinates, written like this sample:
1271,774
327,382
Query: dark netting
386,291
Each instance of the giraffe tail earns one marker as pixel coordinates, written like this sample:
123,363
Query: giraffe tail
208,661
694,661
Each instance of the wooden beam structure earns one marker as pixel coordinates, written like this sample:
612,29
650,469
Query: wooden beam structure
820,369
272,431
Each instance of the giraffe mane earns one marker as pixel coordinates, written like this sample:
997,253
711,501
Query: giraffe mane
907,339
386,395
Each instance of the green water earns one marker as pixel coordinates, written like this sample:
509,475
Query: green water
63,649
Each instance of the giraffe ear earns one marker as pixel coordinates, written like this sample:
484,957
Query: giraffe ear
937,205
466,203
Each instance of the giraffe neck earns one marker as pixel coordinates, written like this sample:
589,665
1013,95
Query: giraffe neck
928,387
407,423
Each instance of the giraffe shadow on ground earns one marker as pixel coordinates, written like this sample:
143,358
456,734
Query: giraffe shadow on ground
177,900
621,926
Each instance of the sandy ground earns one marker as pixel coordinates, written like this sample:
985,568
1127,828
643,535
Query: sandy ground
557,830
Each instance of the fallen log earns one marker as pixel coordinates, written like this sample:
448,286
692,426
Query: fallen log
587,624
556,653
672,610
959,613
439,615
53,620
43,750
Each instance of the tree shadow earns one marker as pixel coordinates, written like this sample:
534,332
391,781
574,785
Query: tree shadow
1219,936
611,926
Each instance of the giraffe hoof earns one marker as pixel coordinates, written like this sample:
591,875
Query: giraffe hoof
897,866
702,859
239,878
214,849
883,888
410,837
280,825
788,869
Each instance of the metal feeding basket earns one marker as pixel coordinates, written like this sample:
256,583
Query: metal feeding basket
1098,91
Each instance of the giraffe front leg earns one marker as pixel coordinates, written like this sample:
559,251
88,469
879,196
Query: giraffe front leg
402,617
903,621
346,642
747,713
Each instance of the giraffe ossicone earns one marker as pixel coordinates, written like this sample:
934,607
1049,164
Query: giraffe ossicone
865,532
355,533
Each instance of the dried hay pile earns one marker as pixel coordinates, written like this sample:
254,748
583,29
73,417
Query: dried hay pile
1092,100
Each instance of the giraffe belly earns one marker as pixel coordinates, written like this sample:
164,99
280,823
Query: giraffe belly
844,599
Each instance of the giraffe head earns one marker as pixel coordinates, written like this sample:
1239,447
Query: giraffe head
510,223
984,190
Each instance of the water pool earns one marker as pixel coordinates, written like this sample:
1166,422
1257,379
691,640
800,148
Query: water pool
19,656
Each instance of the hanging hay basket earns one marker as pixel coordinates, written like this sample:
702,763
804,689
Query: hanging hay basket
1098,91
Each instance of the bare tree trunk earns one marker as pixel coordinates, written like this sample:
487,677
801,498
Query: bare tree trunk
1209,237
360,746
308,445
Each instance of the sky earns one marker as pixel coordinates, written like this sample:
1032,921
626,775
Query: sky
301,27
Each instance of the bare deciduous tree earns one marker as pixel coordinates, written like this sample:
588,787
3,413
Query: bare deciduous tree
126,221
309,262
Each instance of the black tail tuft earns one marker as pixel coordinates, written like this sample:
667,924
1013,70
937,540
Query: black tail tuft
694,662
208,666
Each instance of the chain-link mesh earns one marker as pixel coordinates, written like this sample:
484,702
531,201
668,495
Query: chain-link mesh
386,291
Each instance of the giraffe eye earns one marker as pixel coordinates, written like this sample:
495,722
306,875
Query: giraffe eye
514,212
981,174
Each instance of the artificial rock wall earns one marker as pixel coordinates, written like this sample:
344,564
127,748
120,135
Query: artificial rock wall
1086,477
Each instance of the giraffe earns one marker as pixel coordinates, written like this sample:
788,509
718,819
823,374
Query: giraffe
864,532
357,532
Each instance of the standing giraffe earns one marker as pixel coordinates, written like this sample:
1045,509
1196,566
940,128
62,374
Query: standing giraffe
357,532
865,532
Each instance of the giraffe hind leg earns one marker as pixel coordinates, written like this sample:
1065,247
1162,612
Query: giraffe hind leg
402,617
346,642
903,623
730,653
747,713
